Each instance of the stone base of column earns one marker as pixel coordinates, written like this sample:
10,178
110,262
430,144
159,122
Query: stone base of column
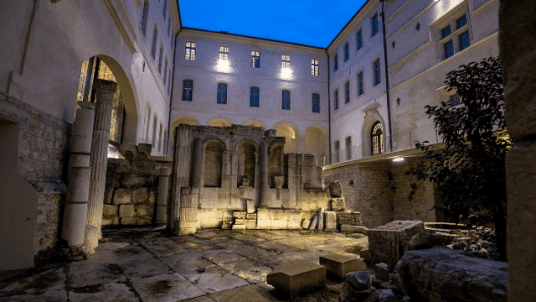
91,240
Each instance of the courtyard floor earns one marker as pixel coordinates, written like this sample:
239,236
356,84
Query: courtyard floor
153,265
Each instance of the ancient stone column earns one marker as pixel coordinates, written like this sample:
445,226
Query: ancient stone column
199,164
264,184
82,133
106,91
517,53
163,189
74,221
188,210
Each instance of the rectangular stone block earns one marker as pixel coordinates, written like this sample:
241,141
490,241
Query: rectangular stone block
250,206
251,216
239,227
145,210
110,221
387,243
126,210
264,224
294,224
109,210
140,195
297,278
339,265
240,221
331,220
129,221
250,224
144,221
279,224
338,204
239,214
122,196
354,229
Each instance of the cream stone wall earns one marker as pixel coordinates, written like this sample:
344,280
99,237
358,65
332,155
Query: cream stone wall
206,72
417,69
351,119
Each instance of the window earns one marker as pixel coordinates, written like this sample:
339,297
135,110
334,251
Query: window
187,90
452,41
255,59
316,103
165,9
335,62
160,59
222,93
377,72
347,92
169,85
337,148
336,100
165,73
169,27
454,100
314,67
346,52
190,51
285,61
285,100
224,53
374,25
349,148
360,84
376,139
254,97
155,39
145,17
359,39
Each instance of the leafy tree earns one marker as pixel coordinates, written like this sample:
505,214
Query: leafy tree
470,169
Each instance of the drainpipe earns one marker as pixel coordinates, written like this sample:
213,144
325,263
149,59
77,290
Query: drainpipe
329,110
387,79
171,93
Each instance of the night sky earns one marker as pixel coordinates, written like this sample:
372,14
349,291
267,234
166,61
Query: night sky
310,22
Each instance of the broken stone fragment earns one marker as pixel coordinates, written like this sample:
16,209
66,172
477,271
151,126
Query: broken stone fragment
354,229
335,189
314,222
128,151
387,295
359,280
354,295
425,240
338,204
381,271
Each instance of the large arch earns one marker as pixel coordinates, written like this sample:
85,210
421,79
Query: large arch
290,133
130,122
255,124
316,143
372,116
220,122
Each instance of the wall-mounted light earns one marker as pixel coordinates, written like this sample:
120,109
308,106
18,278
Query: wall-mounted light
398,159
286,73
223,65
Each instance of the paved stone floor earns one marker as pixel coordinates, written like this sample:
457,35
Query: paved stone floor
212,265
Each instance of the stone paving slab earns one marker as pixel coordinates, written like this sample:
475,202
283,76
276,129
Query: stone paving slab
200,299
186,266
132,252
166,288
49,296
248,293
113,292
136,269
86,273
161,246
215,279
48,280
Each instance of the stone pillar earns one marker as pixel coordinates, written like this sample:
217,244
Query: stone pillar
264,184
105,91
320,219
163,189
188,210
517,53
198,171
182,177
81,137
74,220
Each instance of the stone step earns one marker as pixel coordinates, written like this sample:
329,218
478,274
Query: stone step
339,265
297,278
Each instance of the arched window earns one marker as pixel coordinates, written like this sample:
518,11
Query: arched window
145,17
348,148
376,139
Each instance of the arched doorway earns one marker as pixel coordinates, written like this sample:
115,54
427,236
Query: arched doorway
315,143
290,133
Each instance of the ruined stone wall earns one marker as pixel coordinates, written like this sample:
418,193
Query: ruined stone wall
43,143
412,199
131,192
366,189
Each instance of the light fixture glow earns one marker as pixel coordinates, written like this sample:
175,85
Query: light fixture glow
286,73
398,159
223,65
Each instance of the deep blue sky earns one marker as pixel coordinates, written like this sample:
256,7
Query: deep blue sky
310,22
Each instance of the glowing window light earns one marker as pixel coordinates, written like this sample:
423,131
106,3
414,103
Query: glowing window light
190,51
224,53
314,67
285,61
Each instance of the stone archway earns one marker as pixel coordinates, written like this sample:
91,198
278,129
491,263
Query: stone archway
372,116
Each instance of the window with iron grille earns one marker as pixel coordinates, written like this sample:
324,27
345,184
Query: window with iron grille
347,92
336,100
348,148
377,72
285,99
360,84
222,93
376,139
316,103
254,97
187,90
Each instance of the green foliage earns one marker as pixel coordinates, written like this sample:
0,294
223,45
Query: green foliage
352,236
470,170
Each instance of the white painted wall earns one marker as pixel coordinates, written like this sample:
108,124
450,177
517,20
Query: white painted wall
240,76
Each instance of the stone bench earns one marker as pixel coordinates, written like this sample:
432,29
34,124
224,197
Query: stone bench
297,278
339,265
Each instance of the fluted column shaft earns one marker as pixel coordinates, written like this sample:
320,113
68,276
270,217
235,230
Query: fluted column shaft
106,91
163,189
264,184
188,210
